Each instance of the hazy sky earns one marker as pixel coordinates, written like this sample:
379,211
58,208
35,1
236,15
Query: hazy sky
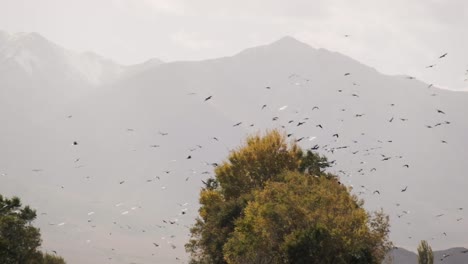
394,36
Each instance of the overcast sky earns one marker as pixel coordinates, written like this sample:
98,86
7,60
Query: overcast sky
394,36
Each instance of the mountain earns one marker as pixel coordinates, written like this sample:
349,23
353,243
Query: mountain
448,256
114,194
38,76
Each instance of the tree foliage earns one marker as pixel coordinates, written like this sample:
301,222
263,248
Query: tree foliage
271,202
425,255
19,240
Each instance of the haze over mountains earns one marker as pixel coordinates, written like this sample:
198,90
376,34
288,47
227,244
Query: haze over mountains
128,184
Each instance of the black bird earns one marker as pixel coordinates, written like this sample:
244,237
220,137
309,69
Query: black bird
391,119
208,98
335,135
289,135
376,191
156,245
300,123
263,106
355,95
319,126
189,157
315,147
122,182
404,190
215,138
275,118
297,140
404,119
359,115
268,87
440,112
406,165
430,66
163,133
445,142
75,143
443,55
238,124
346,74
386,158
315,107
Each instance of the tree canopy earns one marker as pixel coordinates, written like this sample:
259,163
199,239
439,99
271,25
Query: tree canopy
19,240
271,202
425,254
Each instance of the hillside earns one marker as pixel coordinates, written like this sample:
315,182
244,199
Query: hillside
127,180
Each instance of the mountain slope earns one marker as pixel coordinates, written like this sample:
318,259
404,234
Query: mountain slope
448,256
121,127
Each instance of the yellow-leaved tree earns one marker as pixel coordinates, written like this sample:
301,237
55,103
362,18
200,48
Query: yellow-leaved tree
271,202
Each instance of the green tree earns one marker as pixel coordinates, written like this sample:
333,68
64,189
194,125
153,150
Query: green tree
306,219
19,240
425,255
227,199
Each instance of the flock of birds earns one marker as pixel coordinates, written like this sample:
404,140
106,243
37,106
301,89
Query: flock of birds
323,149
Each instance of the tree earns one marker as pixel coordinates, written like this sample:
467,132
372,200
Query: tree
19,240
228,202
305,219
425,255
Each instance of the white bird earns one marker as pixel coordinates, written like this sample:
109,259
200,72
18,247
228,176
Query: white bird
283,107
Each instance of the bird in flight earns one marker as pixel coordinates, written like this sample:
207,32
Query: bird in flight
440,111
404,190
443,55
238,124
208,98
376,191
